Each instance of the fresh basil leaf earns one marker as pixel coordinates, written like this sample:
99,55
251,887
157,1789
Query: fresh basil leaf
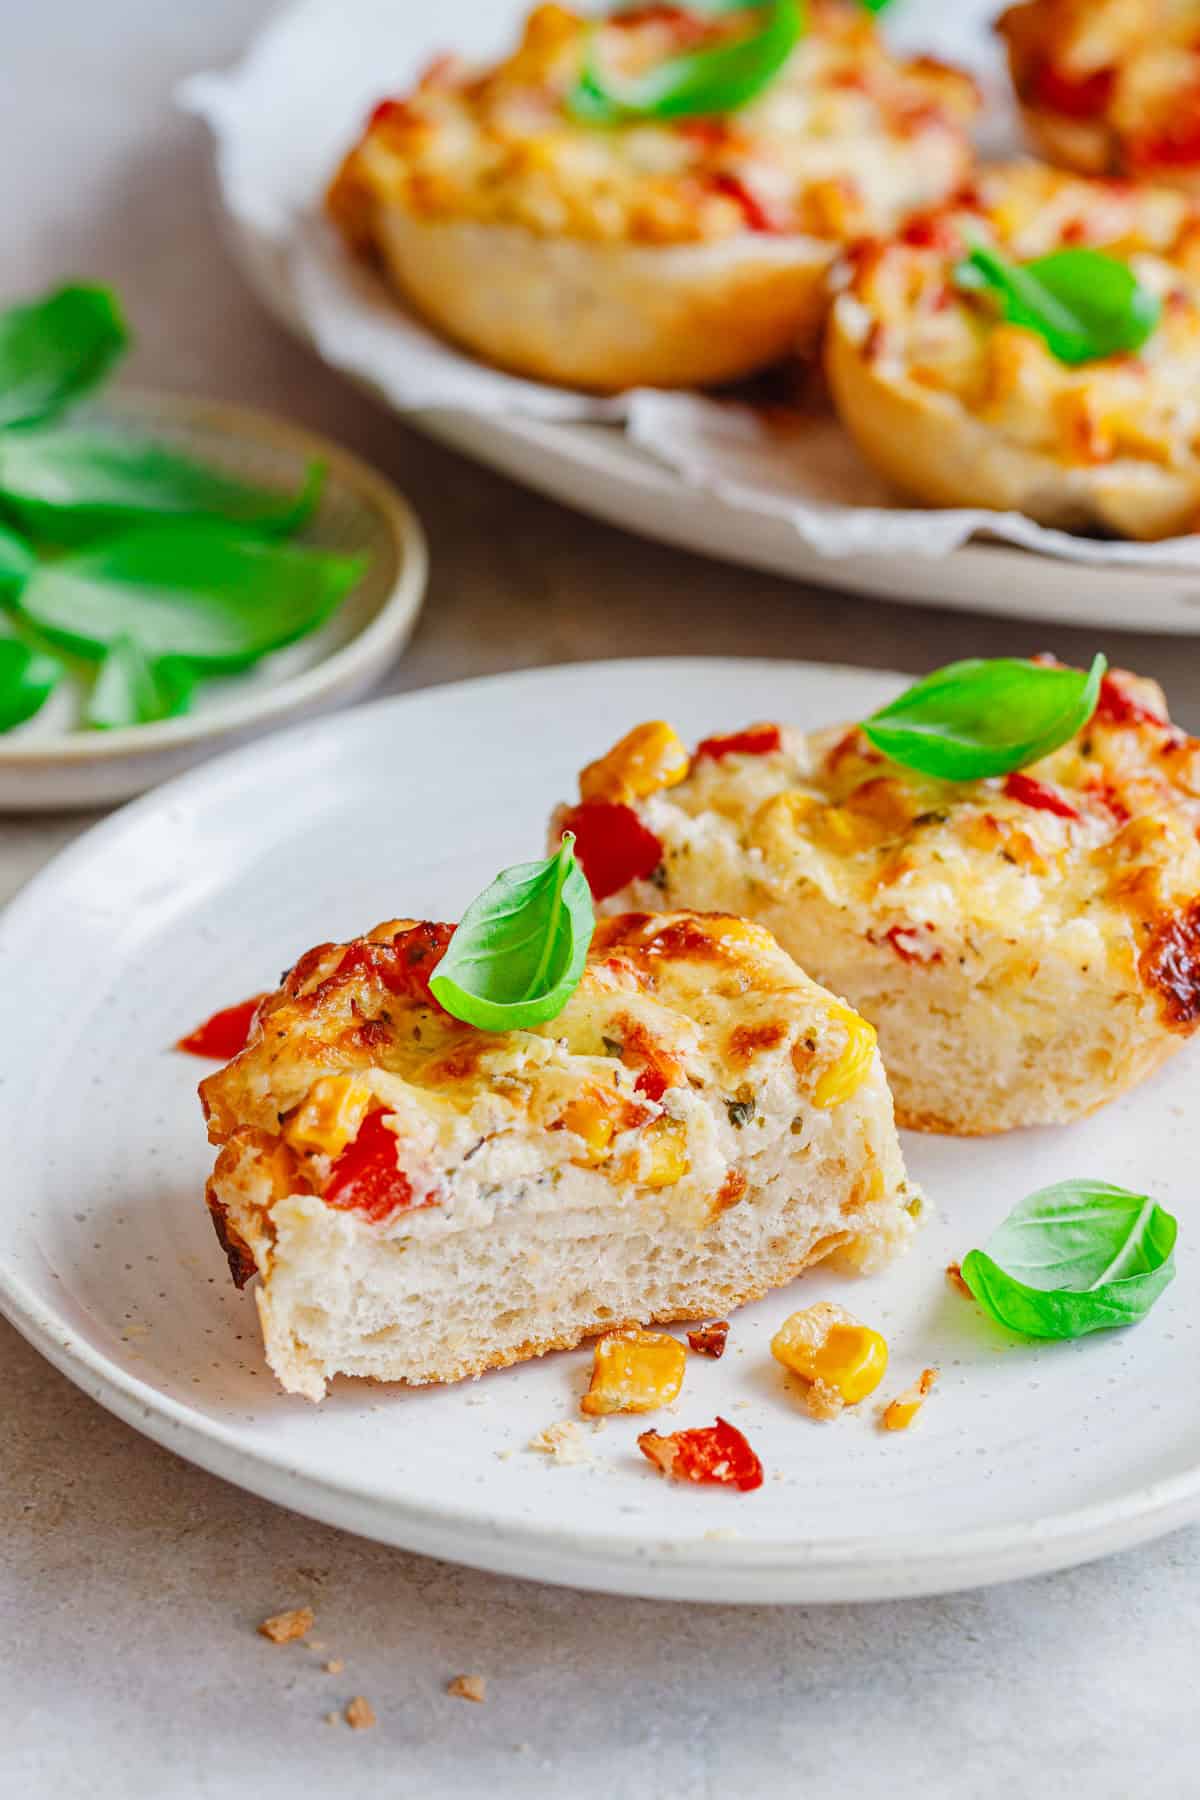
55,349
187,590
701,82
27,680
69,485
1077,1257
17,561
125,691
978,718
520,950
1083,303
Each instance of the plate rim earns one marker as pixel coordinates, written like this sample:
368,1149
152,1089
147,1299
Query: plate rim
394,617
737,1570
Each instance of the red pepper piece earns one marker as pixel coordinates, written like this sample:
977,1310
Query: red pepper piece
1022,787
222,1036
405,965
1117,706
1176,146
1075,96
756,740
652,1083
612,844
911,946
709,1340
389,112
717,1454
755,210
365,1177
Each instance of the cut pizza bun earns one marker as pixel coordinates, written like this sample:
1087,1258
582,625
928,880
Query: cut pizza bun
423,1200
958,408
659,252
1110,87
1028,947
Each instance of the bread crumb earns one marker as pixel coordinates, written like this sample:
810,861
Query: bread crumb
954,1276
899,1414
722,1534
360,1714
333,1718
286,1627
563,1442
334,1666
468,1687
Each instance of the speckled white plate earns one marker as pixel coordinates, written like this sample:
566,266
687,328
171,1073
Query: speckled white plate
1026,1457
51,761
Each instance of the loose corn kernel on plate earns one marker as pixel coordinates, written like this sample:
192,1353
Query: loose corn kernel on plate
1019,1457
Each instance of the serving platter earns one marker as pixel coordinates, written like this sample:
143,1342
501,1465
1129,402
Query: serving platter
50,761
1027,1457
275,151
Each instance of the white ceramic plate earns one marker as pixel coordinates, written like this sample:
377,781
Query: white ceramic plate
1026,1457
50,762
274,156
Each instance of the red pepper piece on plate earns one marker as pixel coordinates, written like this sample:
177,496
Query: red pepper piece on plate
612,844
716,1454
227,1032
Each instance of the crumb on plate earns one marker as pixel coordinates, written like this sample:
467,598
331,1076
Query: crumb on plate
360,1714
468,1687
286,1627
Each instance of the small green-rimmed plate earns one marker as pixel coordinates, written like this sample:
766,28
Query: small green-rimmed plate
53,761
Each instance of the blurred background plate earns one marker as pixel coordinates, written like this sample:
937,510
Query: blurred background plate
51,762
272,162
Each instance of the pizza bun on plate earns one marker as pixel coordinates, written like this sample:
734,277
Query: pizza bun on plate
654,251
1110,87
957,407
423,1200
1027,947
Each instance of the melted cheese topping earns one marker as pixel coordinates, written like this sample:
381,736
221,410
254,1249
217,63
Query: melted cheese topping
916,325
692,1044
845,139
1096,844
1129,67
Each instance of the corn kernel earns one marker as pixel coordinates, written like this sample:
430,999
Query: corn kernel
589,1117
840,1360
647,759
663,1157
846,832
329,1118
846,1075
634,1371
901,1412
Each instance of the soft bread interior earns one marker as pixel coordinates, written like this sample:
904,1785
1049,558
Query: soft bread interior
342,1298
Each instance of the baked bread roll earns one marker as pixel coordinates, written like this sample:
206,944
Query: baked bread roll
1110,87
656,252
422,1200
1028,947
956,407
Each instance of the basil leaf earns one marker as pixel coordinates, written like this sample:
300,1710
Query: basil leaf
520,950
131,690
27,679
1077,1257
17,561
69,485
717,80
187,590
1084,304
53,350
978,718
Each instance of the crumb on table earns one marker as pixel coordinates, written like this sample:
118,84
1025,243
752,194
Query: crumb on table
334,1666
564,1443
360,1714
468,1687
954,1276
286,1627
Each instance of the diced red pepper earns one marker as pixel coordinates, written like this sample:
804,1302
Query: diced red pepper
709,1340
652,1083
1177,145
758,214
403,966
709,1453
1117,706
933,231
613,846
365,1177
1022,787
911,946
1075,96
389,112
222,1036
756,740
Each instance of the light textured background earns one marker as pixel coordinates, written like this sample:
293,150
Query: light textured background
129,1582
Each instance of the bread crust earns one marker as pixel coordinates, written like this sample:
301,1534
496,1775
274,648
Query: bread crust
604,317
932,449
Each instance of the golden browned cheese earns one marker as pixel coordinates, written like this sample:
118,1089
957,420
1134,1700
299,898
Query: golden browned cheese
915,323
824,151
689,1041
1098,840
